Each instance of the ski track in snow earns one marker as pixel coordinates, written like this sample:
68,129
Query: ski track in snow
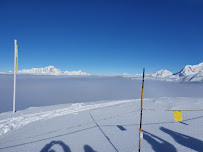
19,121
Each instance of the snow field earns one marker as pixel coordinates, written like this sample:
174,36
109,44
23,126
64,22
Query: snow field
113,127
15,122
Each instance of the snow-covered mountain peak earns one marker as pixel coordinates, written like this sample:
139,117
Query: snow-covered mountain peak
51,70
191,70
162,73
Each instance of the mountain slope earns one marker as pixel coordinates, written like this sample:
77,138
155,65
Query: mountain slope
190,70
193,73
162,73
51,70
190,73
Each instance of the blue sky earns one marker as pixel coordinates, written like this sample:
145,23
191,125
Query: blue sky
102,37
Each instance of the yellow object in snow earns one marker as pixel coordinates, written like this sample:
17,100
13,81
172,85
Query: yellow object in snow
178,116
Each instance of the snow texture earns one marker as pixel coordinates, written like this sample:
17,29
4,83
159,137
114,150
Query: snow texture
105,126
16,122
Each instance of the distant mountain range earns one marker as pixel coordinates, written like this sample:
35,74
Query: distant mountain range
50,70
192,73
188,73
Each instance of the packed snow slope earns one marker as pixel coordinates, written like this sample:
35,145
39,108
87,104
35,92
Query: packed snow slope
105,126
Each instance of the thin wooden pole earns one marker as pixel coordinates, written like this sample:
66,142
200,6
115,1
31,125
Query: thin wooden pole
141,110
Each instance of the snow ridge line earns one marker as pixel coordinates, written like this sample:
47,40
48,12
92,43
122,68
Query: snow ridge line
9,124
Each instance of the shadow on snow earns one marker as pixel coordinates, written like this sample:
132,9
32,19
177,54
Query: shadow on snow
65,134
49,147
185,140
161,146
103,133
87,148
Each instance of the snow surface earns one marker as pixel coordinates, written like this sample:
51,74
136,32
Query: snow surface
22,120
105,127
50,70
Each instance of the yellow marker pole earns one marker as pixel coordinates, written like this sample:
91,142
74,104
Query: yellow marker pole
141,110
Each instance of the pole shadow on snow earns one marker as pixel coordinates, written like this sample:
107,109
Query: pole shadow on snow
184,140
154,123
48,147
104,133
161,146
121,128
183,123
87,148
193,118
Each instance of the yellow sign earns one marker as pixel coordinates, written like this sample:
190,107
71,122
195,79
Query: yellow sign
178,116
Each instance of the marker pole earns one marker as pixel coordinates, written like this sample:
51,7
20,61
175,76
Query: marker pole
141,110
14,85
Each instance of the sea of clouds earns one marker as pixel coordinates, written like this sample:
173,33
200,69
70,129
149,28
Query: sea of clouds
42,90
